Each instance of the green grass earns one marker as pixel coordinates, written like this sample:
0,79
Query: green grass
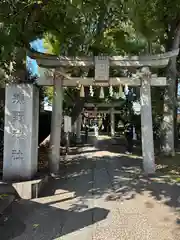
169,166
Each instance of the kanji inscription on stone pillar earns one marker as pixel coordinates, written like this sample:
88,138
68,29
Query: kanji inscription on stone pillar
21,132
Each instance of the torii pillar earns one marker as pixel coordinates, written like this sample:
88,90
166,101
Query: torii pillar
56,125
78,128
112,122
146,122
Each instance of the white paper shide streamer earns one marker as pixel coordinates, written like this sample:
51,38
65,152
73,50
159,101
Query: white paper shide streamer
101,95
82,94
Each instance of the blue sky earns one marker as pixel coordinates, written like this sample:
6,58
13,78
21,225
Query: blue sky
31,64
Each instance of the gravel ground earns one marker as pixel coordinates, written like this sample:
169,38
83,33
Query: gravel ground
101,195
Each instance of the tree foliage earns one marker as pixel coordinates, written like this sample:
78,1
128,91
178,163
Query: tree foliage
86,27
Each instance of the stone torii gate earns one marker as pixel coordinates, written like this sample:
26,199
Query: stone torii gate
21,114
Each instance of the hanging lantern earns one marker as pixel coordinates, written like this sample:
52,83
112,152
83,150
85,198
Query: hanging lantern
101,95
111,91
82,91
91,91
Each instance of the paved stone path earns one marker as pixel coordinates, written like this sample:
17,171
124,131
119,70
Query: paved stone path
101,195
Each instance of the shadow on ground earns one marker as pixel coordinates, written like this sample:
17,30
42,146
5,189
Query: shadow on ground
125,179
118,145
45,221
104,174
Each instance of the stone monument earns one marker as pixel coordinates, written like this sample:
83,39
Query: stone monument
21,132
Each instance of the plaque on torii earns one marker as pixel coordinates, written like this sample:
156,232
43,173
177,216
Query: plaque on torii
101,68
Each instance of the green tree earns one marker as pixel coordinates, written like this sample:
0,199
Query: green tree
83,27
159,21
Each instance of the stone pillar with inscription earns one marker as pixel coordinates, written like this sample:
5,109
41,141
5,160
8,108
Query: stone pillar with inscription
21,132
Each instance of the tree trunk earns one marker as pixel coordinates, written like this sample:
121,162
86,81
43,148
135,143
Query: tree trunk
167,144
78,107
175,117
19,73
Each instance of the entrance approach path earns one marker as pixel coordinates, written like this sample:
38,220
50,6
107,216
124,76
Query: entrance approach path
101,195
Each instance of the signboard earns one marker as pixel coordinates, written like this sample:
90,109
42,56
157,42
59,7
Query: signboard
137,108
101,68
158,81
67,124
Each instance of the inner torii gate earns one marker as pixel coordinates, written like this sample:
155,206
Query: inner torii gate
20,144
109,110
